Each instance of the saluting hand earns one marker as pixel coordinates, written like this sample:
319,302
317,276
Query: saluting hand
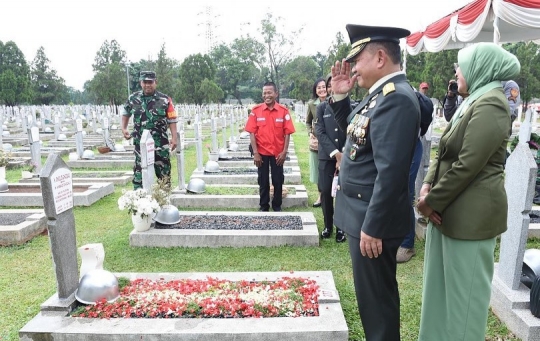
342,82
370,246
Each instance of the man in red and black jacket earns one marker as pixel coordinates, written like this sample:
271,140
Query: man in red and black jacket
270,127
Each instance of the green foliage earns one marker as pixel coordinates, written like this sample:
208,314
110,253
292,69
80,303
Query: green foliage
166,73
15,85
47,86
212,93
529,79
236,64
109,83
299,76
193,71
280,47
434,68
336,52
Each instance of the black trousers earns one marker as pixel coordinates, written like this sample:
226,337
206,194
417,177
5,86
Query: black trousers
376,290
269,165
327,169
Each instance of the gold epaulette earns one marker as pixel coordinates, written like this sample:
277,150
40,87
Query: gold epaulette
388,88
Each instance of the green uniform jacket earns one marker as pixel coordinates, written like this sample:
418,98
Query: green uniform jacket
468,173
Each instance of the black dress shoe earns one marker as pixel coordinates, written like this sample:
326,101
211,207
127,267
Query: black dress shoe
263,209
317,204
326,233
340,237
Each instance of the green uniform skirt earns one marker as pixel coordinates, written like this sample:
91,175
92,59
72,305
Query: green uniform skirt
457,287
313,167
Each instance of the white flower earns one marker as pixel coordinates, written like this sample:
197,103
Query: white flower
138,202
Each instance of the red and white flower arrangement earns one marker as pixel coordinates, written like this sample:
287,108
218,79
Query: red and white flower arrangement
209,298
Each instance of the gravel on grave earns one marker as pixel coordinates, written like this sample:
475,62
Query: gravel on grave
227,222
9,219
535,217
241,170
243,158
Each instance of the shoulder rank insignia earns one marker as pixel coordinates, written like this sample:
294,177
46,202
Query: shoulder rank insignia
388,88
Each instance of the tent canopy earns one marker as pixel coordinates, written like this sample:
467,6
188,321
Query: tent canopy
499,21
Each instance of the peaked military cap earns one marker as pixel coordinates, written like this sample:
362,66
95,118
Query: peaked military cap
147,76
361,35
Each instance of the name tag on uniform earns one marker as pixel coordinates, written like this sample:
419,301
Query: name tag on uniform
279,120
261,119
327,115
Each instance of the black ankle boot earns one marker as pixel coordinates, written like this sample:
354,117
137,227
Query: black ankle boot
340,236
326,233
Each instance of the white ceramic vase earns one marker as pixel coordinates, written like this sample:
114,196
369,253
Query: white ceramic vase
213,156
141,224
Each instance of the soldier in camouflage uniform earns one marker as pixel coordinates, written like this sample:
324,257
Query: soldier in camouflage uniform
154,111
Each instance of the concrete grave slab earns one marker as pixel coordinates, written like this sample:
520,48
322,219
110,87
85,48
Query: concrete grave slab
307,236
115,177
183,199
84,194
513,307
292,177
17,226
329,325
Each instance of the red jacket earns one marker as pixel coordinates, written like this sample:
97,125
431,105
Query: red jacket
270,128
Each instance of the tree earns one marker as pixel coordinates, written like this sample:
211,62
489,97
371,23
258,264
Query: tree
434,68
279,47
336,52
15,85
236,64
193,71
211,91
8,87
320,59
166,73
47,86
298,77
108,53
529,78
108,86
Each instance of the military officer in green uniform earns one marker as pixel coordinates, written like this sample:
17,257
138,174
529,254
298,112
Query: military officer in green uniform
372,202
154,111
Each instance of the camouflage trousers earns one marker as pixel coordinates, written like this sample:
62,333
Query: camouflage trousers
162,164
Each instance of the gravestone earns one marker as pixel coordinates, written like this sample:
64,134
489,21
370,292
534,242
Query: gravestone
79,137
147,160
56,126
213,127
510,299
519,184
198,143
35,148
224,129
1,127
94,122
25,122
180,157
57,190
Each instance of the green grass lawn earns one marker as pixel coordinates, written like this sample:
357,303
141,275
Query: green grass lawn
27,276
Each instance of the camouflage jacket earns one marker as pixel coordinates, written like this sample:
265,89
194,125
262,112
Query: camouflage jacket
154,113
